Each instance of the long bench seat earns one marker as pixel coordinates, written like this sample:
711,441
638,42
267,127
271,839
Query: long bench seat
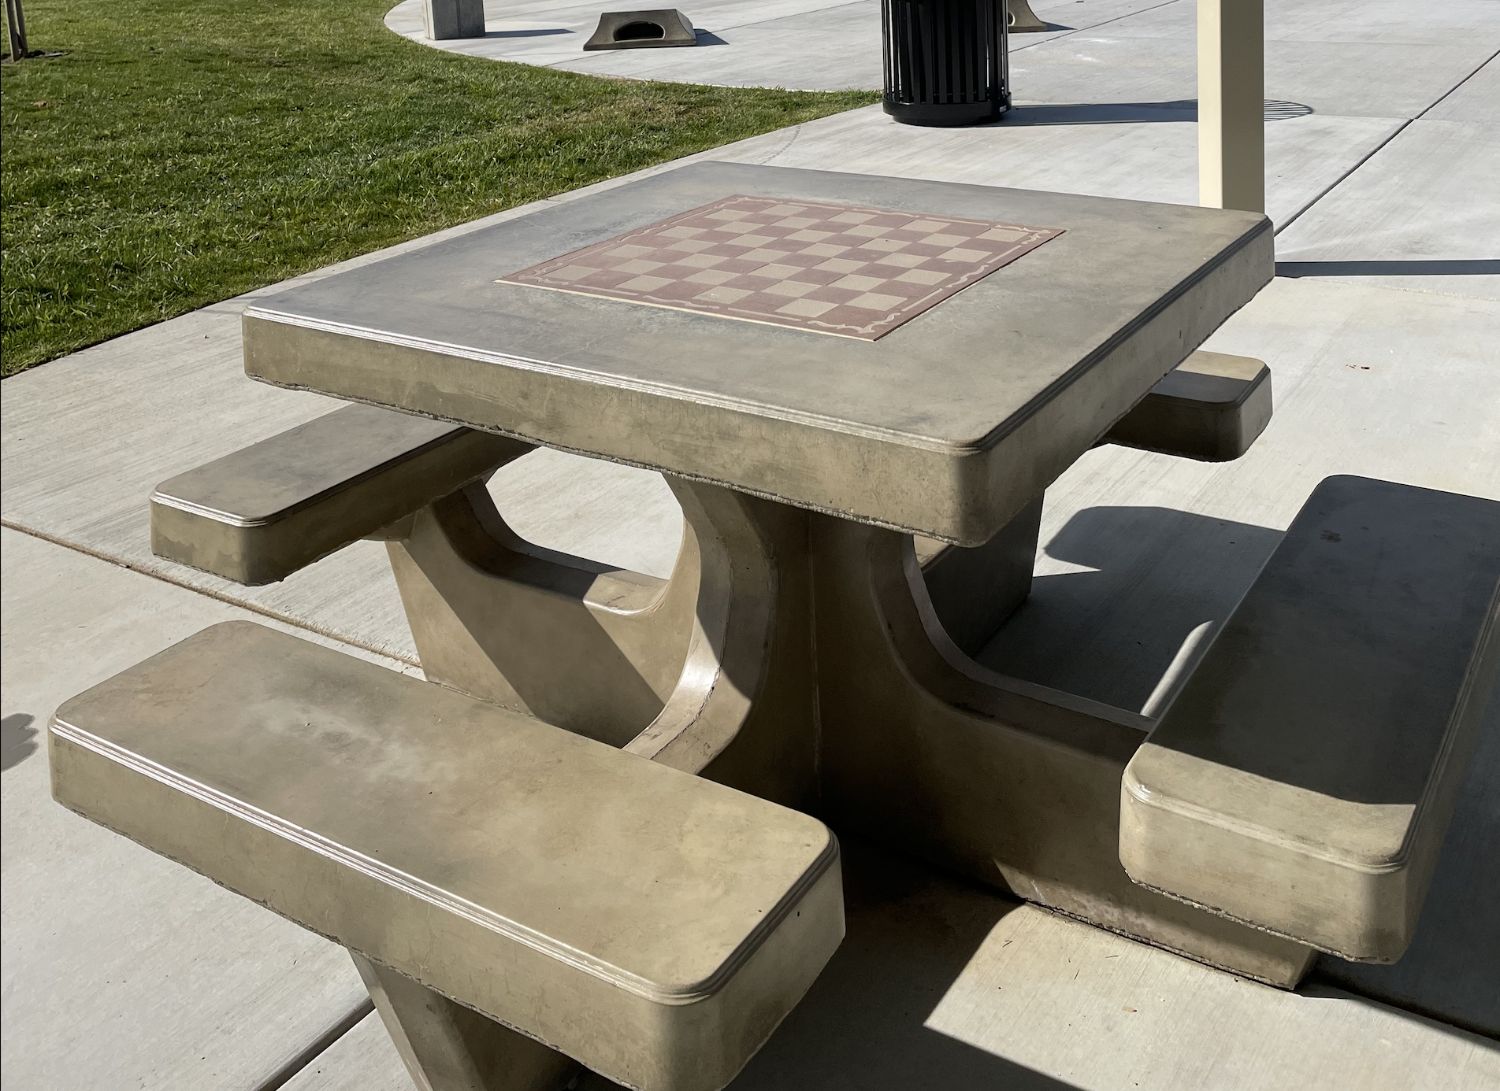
261,513
1303,779
652,925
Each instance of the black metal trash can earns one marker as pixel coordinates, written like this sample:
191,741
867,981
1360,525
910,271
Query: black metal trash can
945,61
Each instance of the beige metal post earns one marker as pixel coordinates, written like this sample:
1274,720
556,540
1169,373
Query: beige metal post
1231,90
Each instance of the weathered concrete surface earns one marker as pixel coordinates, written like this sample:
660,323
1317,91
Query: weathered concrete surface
1321,77
287,771
1094,317
1305,777
1382,58
1335,21
1473,100
813,44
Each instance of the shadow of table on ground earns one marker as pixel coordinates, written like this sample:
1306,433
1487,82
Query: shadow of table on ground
910,935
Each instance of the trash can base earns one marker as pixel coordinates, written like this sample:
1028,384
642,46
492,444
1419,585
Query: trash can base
945,114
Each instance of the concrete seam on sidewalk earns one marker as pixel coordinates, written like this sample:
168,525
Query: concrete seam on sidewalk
1341,179
217,596
317,1047
1376,150
1448,93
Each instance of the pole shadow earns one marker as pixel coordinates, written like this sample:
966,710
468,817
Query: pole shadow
1448,972
1456,267
1181,111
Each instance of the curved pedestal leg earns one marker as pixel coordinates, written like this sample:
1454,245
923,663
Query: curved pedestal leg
744,709
588,648
709,671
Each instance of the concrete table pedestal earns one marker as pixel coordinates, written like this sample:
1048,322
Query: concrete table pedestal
797,656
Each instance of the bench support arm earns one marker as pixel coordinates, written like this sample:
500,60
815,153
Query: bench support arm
448,1047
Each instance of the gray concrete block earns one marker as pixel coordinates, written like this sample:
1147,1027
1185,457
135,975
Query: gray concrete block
444,19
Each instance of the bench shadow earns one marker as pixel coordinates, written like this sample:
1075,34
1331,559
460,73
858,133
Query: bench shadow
1416,591
1182,111
17,740
910,935
1449,971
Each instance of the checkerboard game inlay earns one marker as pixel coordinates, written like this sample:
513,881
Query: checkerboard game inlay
827,268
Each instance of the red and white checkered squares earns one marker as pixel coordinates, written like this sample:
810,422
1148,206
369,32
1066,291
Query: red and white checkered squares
827,268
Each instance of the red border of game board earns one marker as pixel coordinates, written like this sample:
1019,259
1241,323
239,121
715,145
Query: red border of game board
535,276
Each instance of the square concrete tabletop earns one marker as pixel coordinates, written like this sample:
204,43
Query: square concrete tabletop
946,426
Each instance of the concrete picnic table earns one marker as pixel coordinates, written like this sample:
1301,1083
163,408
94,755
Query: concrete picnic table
804,462
858,389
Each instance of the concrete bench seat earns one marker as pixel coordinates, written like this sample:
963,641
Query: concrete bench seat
1303,779
261,513
1211,407
654,926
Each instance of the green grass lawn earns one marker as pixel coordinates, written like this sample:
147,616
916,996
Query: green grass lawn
179,152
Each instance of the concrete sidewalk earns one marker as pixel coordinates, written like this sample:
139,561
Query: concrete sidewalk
120,970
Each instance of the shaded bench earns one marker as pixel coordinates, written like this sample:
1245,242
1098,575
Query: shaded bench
650,924
1303,780
1211,407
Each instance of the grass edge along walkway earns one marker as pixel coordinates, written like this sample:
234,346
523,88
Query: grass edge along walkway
181,152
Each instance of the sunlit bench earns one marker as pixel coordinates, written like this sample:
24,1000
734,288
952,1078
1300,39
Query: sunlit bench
263,512
650,924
